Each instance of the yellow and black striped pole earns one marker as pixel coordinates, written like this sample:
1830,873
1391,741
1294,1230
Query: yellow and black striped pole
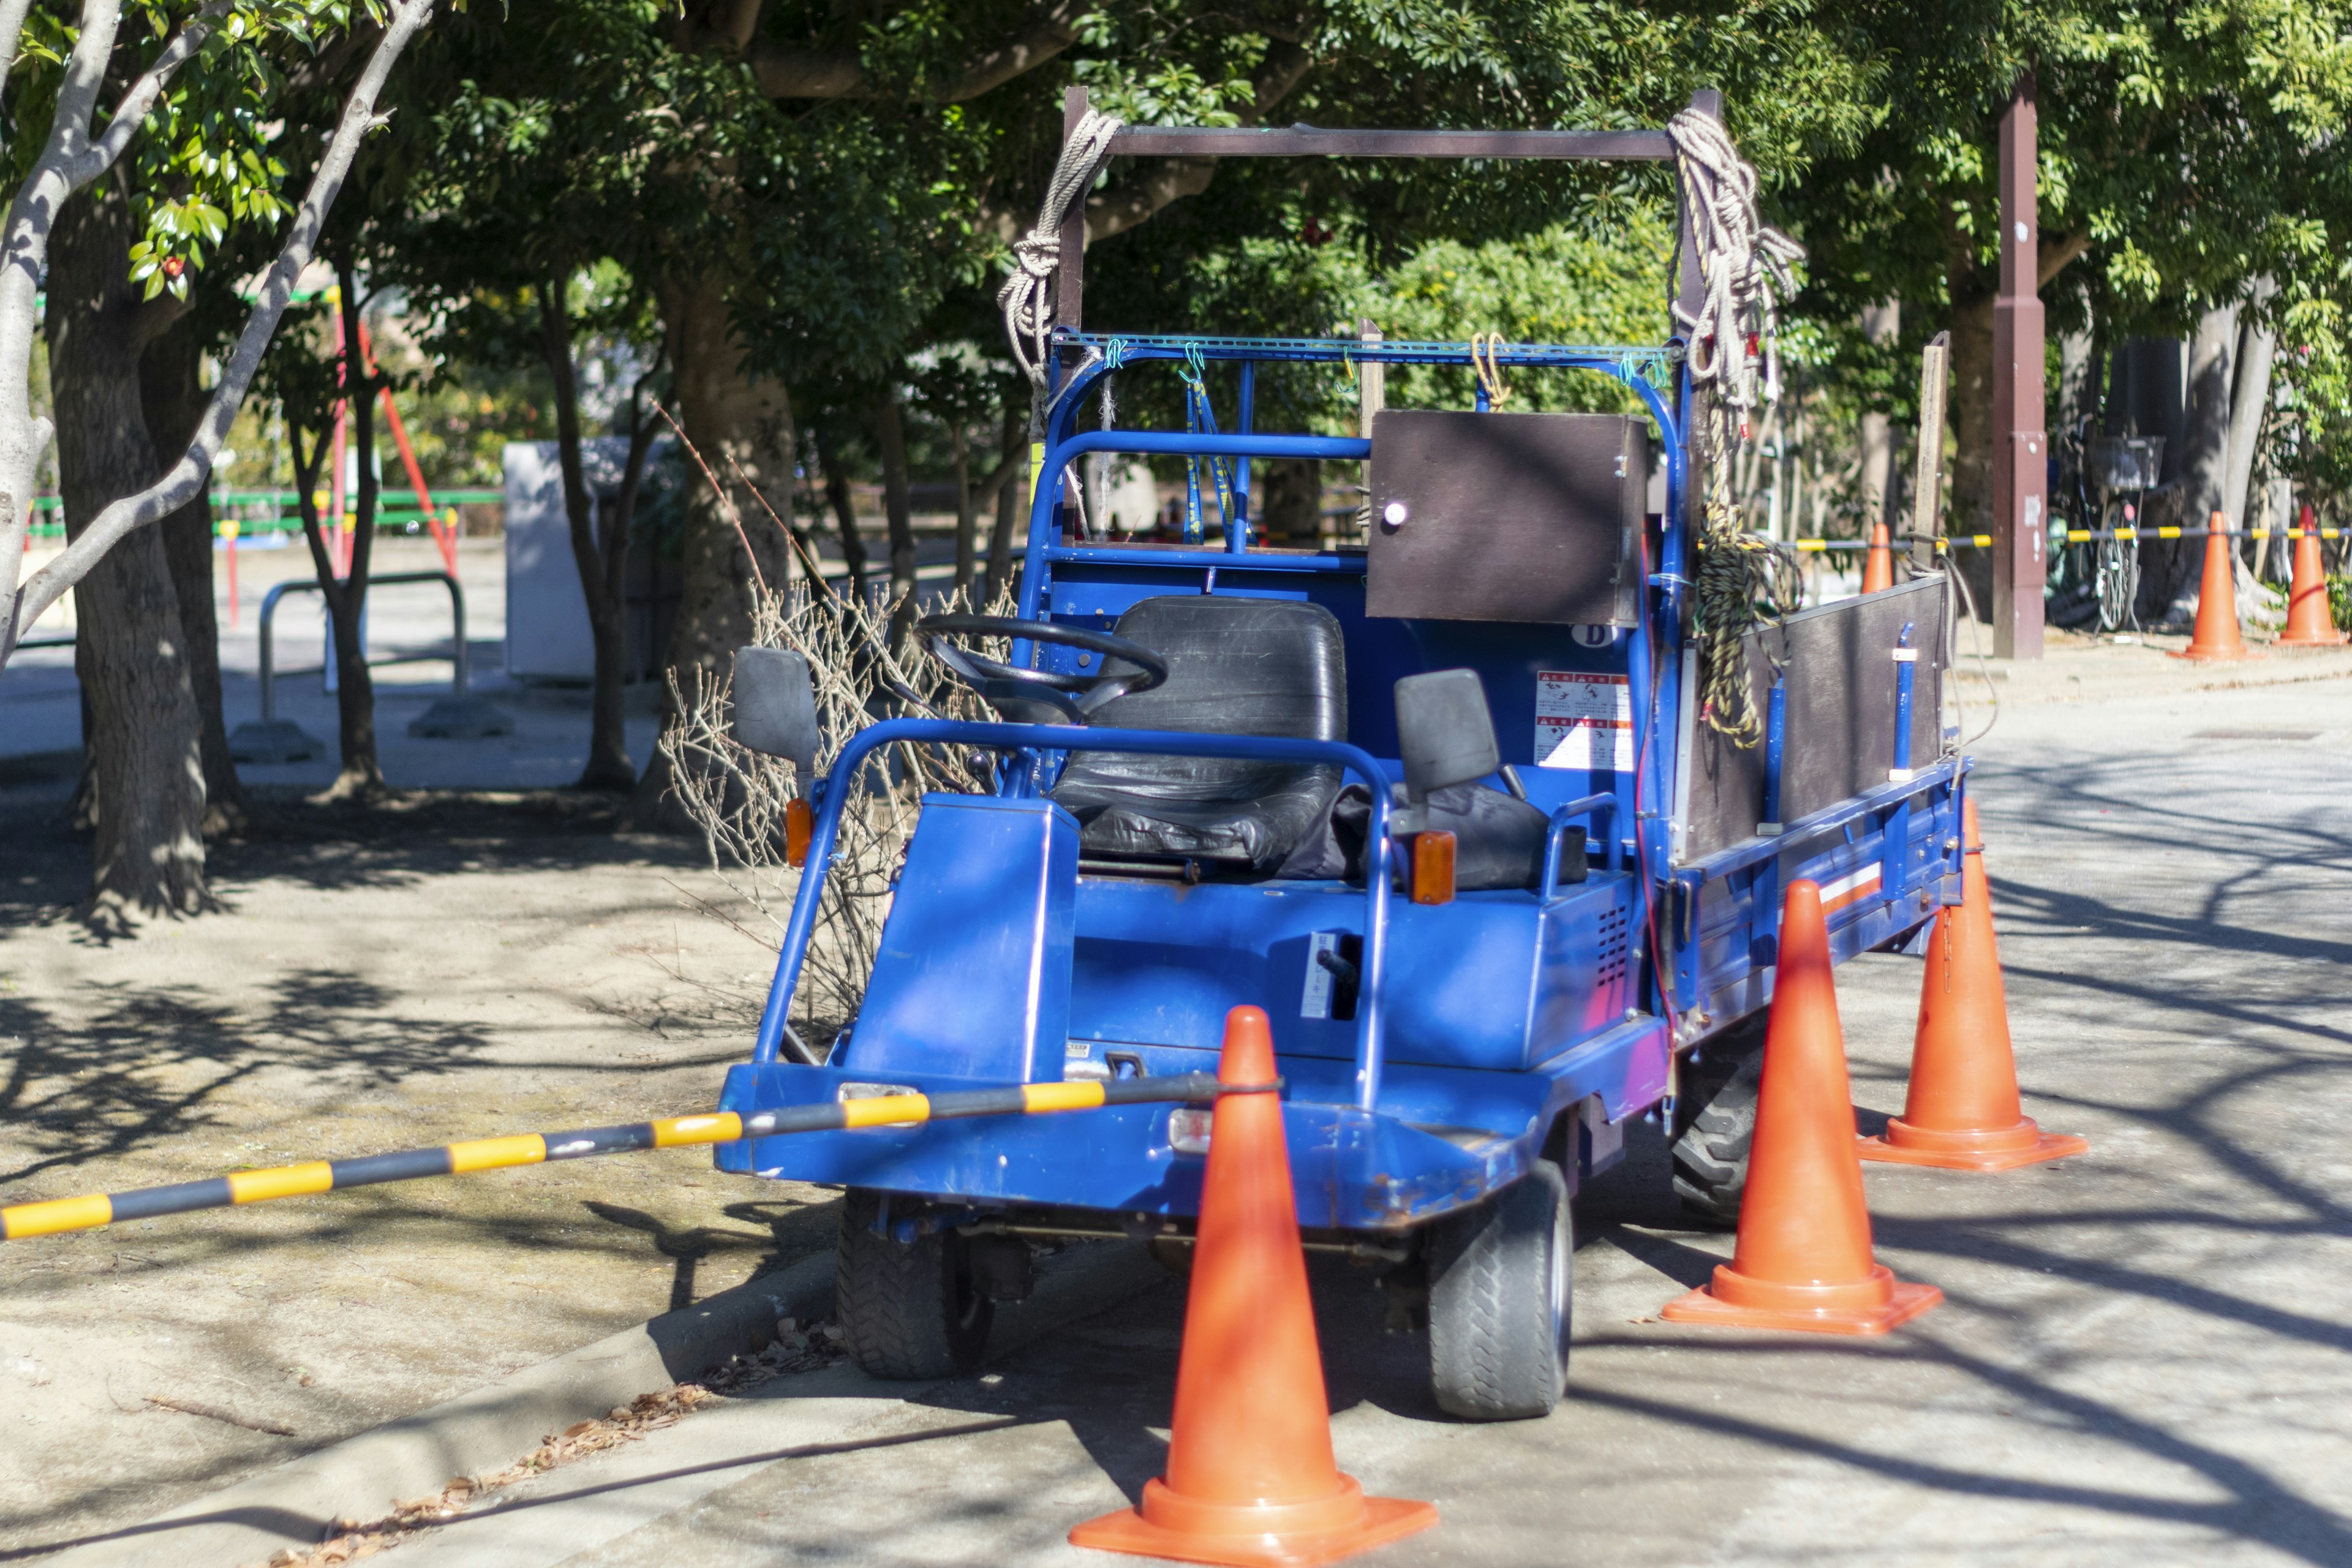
88,1213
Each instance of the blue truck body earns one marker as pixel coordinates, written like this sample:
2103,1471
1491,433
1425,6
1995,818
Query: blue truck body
1485,1032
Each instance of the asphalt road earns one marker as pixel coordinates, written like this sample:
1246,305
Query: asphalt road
2142,1358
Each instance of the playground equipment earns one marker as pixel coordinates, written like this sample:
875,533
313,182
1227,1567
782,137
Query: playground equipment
1443,802
459,716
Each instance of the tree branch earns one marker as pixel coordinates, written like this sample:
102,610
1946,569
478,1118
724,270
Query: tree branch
2056,256
186,478
131,111
784,72
12,28
1171,179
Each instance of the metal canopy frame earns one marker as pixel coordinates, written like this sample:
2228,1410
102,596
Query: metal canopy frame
1657,659
1318,141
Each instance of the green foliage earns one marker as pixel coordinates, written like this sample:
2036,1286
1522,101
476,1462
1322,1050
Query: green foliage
209,155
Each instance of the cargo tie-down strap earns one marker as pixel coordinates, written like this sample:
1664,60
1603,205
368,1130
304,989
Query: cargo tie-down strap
21,1220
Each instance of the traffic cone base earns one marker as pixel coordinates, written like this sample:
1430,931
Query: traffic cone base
2004,1148
1803,1258
1961,1112
2216,638
1246,1535
2308,621
1871,1305
1250,1477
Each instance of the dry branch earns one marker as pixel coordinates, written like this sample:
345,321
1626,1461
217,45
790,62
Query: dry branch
738,797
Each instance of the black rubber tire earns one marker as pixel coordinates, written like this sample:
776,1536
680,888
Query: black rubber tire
1501,1278
1714,1122
907,1309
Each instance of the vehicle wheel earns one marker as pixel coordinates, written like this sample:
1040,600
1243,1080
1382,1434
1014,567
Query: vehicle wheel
1499,1287
908,1309
1714,1122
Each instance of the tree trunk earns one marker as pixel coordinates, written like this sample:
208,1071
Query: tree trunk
2078,375
1973,437
743,429
602,564
844,509
890,444
360,776
2172,570
1011,499
1882,324
172,395
1294,502
145,736
967,539
2250,399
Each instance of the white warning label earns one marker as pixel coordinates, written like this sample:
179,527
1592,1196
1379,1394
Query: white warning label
1584,720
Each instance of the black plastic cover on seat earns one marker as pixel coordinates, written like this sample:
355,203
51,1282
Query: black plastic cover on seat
1235,666
1498,841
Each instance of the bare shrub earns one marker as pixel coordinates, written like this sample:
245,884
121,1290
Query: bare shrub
738,797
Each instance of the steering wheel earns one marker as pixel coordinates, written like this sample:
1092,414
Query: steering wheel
1040,696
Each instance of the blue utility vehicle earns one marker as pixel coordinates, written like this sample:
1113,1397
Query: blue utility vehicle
1436,797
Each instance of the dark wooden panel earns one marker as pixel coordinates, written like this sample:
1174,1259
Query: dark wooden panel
1507,517
1309,142
1840,674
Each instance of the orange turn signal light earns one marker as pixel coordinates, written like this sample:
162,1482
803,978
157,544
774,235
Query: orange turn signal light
1433,866
800,824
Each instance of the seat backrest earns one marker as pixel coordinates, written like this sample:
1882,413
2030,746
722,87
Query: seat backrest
1237,667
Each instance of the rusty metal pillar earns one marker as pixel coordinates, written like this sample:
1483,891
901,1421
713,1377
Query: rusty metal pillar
2021,470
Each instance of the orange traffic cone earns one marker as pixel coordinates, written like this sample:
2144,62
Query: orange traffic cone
1962,1112
2217,601
1878,562
1803,1259
1251,1477
2308,623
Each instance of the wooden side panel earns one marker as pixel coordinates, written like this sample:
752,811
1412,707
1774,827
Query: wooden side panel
1527,518
1838,666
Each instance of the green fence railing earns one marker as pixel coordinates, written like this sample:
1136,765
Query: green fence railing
280,511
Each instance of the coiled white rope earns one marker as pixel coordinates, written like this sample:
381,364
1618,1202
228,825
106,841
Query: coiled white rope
1026,297
1744,267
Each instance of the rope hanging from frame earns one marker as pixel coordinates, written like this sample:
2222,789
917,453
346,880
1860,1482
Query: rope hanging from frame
1744,268
1026,298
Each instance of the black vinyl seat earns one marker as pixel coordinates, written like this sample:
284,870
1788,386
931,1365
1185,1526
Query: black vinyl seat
1235,666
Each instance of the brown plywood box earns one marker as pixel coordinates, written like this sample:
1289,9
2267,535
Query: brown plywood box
1531,518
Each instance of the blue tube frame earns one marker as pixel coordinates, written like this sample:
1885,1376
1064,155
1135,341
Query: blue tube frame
1653,660
1040,738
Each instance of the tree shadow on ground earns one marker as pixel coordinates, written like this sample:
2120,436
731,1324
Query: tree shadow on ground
406,837
147,1065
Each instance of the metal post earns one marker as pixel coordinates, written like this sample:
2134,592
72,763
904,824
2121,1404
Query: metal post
2020,464
1895,859
1927,479
459,716
1237,525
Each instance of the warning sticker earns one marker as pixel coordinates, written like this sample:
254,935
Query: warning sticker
1584,720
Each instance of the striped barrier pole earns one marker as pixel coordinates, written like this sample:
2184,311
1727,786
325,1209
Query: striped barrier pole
2078,536
88,1213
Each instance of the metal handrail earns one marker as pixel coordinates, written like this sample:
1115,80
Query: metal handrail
269,671
1555,834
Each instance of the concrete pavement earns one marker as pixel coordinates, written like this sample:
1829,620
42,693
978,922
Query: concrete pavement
2142,1358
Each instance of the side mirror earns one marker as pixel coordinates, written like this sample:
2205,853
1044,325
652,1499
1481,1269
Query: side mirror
775,705
1443,731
